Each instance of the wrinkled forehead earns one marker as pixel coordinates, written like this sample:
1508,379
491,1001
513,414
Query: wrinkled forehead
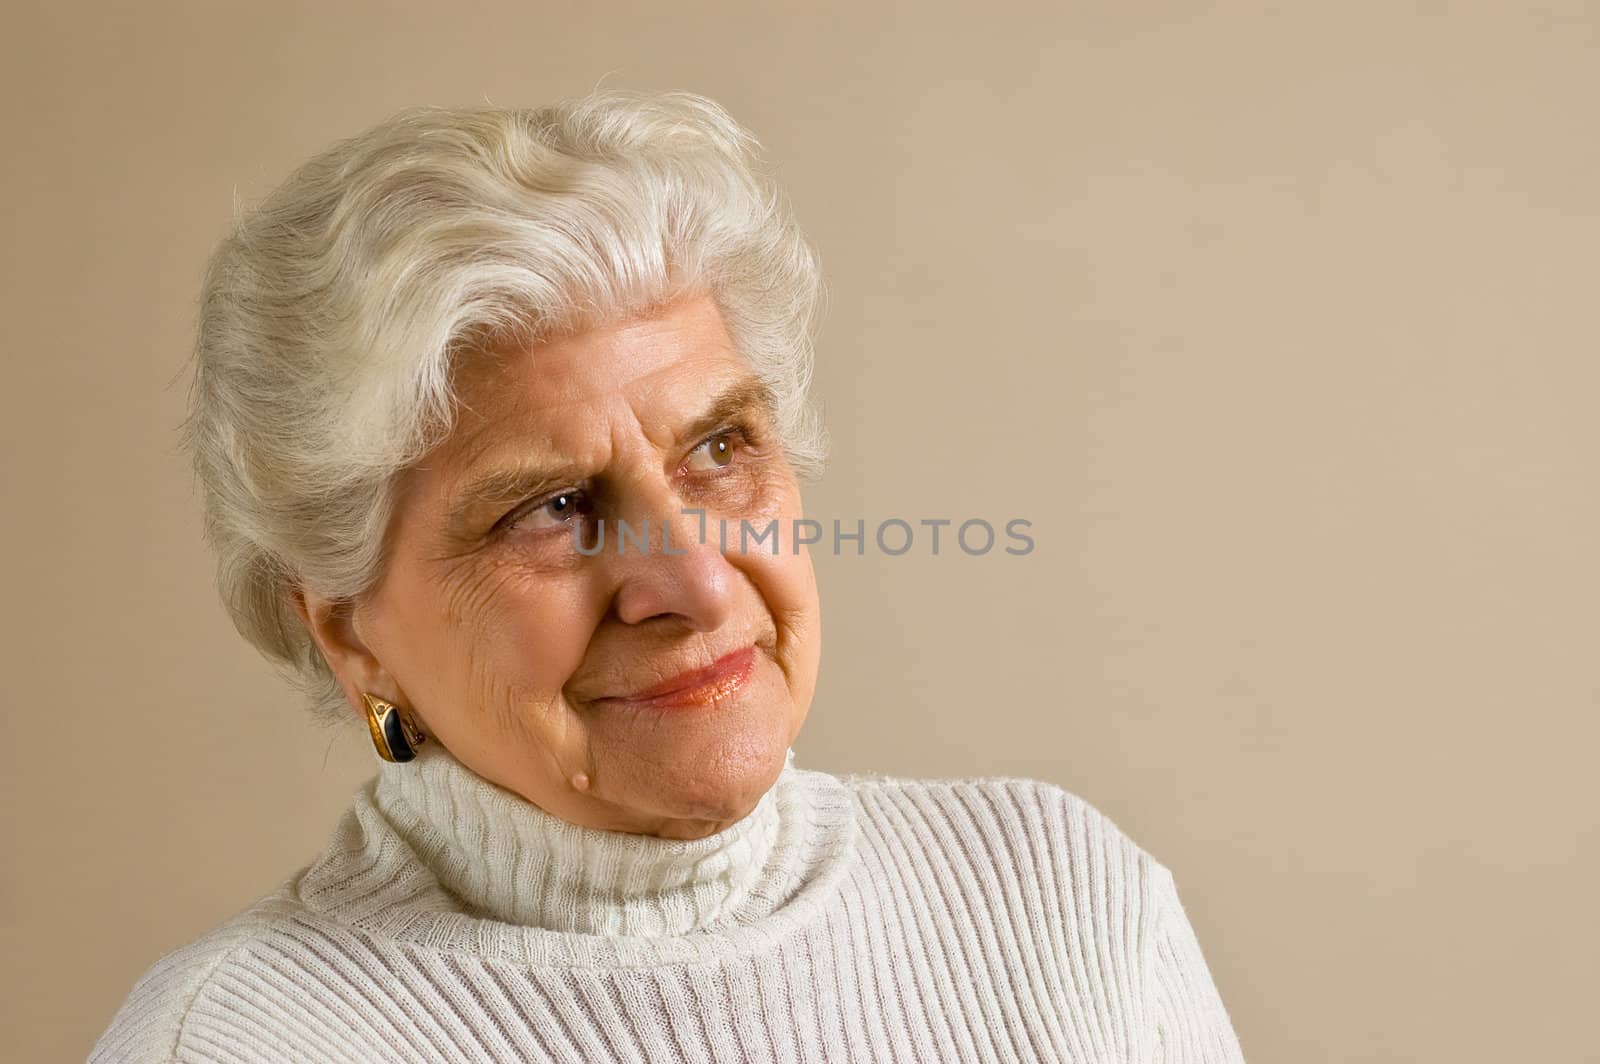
651,372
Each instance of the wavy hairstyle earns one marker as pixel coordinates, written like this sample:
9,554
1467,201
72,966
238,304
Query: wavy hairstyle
334,313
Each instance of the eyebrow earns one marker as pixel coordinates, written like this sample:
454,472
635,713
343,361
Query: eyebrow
496,488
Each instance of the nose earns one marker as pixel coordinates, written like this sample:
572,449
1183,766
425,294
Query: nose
669,573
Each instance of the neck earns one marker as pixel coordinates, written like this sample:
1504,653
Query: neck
511,861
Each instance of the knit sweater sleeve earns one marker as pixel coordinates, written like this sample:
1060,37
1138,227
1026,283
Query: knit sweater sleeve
150,1026
1191,1024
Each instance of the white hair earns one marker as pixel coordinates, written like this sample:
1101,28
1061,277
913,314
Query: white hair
333,314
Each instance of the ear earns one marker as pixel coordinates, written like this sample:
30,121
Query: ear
333,628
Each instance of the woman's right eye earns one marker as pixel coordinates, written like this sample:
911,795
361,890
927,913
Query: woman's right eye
550,513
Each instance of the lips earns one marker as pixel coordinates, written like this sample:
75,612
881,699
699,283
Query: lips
700,686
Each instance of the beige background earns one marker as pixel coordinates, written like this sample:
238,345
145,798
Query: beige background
1278,325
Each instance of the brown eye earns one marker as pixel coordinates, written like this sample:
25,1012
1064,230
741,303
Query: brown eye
552,512
718,450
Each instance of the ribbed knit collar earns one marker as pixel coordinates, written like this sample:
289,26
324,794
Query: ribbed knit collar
432,855
510,860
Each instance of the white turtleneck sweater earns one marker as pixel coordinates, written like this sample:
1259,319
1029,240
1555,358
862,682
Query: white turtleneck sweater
855,918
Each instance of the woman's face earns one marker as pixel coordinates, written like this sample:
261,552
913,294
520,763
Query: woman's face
529,655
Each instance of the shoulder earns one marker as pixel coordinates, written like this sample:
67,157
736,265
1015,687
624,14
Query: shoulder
1020,816
1189,1020
1004,843
1094,899
150,1023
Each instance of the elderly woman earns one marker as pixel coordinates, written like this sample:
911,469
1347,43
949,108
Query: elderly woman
474,389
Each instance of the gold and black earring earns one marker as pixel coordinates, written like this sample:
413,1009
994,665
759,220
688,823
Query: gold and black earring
394,733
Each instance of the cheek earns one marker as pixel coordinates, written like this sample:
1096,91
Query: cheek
506,640
788,589
786,582
533,636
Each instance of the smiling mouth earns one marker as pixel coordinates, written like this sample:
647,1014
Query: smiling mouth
697,687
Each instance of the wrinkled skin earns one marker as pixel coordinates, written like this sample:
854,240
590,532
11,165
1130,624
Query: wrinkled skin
511,645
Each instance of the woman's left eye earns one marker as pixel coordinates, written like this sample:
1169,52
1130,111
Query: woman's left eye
717,451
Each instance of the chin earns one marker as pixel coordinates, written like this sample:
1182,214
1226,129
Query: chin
721,782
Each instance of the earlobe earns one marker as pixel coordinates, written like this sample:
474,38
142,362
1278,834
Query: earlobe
331,624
